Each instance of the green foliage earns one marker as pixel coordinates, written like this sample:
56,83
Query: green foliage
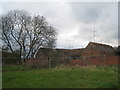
60,77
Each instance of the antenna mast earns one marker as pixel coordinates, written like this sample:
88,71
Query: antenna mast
94,36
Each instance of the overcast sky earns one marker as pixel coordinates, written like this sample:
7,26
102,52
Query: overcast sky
75,21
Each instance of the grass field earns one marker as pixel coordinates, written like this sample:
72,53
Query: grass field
61,77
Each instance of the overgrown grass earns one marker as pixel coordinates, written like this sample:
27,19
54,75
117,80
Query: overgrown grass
15,68
60,77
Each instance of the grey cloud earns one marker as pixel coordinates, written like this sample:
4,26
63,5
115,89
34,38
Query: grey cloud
86,12
101,15
75,21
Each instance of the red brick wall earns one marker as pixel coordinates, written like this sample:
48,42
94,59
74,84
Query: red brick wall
76,62
92,50
111,60
106,60
89,53
38,62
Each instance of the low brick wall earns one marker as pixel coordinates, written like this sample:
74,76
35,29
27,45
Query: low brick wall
37,62
88,61
105,60
77,62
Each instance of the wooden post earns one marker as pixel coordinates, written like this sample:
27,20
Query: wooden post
49,59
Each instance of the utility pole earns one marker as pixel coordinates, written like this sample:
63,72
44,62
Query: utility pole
70,53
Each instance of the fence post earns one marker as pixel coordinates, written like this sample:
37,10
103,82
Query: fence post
49,59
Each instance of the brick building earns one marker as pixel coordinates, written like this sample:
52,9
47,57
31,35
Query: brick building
97,49
97,54
93,54
59,53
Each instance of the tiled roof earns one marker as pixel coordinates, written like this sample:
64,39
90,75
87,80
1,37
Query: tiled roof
102,47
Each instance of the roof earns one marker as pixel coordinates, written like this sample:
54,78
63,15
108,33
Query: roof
102,47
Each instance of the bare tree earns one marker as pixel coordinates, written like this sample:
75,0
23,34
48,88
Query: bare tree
26,34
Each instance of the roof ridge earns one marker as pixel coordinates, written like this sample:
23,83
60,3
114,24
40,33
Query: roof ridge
100,44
